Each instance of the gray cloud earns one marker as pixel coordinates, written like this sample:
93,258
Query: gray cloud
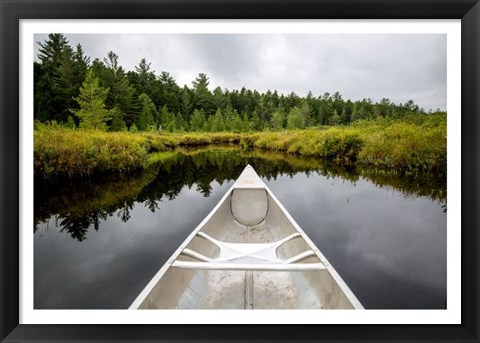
396,66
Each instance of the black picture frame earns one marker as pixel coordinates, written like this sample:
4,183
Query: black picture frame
11,12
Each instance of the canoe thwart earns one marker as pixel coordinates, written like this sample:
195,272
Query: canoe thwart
247,253
221,244
248,266
203,258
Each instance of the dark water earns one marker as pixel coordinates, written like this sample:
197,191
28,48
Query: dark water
98,242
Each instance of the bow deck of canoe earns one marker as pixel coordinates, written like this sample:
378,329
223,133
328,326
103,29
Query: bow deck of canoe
248,253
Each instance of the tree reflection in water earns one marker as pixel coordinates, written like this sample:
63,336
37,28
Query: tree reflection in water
80,205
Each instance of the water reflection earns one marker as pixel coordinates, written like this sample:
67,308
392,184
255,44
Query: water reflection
390,249
385,233
79,205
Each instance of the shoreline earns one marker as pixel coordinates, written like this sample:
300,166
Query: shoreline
388,144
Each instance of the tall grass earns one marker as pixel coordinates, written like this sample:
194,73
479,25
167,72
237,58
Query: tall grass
417,143
65,152
60,151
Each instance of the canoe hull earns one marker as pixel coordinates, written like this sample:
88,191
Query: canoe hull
261,220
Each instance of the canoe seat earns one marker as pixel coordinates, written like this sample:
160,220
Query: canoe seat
247,256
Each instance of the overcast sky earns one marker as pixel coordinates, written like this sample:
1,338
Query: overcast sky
395,66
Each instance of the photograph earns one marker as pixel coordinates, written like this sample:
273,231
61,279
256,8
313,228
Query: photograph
239,171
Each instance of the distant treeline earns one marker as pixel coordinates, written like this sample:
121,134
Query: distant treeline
75,92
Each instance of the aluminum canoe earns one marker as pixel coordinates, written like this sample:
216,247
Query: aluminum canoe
248,253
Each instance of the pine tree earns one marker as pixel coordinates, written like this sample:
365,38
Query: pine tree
256,122
197,121
208,126
144,78
217,122
172,126
203,99
355,113
295,119
58,78
45,104
246,122
335,119
117,123
186,104
305,110
344,117
121,93
50,52
278,120
165,117
181,123
70,123
218,98
148,113
133,128
91,101
237,124
170,93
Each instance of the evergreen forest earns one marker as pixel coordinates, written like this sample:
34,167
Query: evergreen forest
73,91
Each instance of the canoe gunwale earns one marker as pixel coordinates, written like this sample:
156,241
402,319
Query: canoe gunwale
141,297
338,279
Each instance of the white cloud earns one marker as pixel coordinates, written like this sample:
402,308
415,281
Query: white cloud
395,66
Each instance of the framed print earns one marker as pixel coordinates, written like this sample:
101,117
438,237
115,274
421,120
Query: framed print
206,170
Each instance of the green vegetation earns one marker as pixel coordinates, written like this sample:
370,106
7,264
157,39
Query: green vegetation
74,92
95,118
416,144
92,112
65,152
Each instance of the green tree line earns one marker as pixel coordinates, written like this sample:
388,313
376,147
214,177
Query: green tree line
73,91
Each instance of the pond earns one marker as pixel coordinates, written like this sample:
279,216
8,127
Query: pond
98,242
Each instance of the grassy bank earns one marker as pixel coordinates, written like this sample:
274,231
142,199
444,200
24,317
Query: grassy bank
417,144
65,152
